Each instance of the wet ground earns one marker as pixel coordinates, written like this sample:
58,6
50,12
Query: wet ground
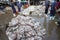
53,31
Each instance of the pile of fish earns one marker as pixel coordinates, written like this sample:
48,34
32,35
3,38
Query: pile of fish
25,28
36,10
39,10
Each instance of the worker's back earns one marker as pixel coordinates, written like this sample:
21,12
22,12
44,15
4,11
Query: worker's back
53,5
58,6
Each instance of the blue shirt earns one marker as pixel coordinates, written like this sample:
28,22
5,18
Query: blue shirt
53,5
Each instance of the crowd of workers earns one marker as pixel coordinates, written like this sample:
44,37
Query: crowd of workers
54,6
19,5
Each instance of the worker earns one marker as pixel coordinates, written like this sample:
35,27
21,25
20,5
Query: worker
47,4
13,8
58,13
58,6
53,11
19,5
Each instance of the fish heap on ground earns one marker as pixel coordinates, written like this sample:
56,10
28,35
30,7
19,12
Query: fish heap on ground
36,10
25,28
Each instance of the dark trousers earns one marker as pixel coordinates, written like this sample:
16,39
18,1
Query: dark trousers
52,12
13,7
19,5
46,10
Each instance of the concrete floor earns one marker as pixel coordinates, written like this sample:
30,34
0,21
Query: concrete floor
4,19
53,31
